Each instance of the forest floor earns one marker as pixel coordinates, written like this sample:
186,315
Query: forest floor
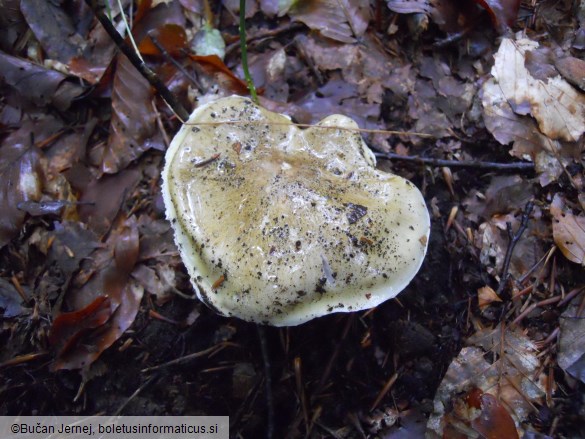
482,109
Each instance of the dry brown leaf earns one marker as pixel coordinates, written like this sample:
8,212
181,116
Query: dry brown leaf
568,231
557,107
485,296
573,70
508,376
571,355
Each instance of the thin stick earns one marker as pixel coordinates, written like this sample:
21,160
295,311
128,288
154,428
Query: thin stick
167,56
267,381
336,350
520,166
212,349
244,50
308,125
534,306
384,391
136,393
514,238
144,70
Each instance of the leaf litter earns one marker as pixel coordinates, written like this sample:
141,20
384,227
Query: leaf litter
88,237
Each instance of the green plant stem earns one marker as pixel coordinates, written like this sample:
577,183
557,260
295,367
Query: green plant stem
244,50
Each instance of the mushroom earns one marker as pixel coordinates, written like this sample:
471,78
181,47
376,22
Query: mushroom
278,225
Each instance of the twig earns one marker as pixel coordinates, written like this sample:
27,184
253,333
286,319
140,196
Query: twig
514,238
144,70
244,50
329,366
570,295
290,27
136,393
267,381
167,56
519,166
20,359
212,349
534,306
384,391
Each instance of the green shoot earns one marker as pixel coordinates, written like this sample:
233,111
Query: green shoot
244,50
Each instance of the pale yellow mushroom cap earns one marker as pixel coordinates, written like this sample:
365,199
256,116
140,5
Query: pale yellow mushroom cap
279,225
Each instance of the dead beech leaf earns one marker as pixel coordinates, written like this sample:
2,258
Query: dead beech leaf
103,198
21,177
507,377
568,231
503,13
113,265
68,328
53,28
37,85
340,20
495,421
10,300
557,107
571,354
573,70
97,56
234,6
12,24
170,36
133,128
214,66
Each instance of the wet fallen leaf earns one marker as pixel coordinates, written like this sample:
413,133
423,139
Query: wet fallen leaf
568,231
12,24
103,198
171,37
340,20
503,13
10,300
68,328
21,178
234,7
494,422
113,265
133,127
71,244
53,28
337,96
98,54
571,356
215,67
37,85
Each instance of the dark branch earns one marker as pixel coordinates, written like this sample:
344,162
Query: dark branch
478,164
144,70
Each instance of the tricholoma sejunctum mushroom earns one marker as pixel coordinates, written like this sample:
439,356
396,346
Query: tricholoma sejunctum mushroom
279,225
